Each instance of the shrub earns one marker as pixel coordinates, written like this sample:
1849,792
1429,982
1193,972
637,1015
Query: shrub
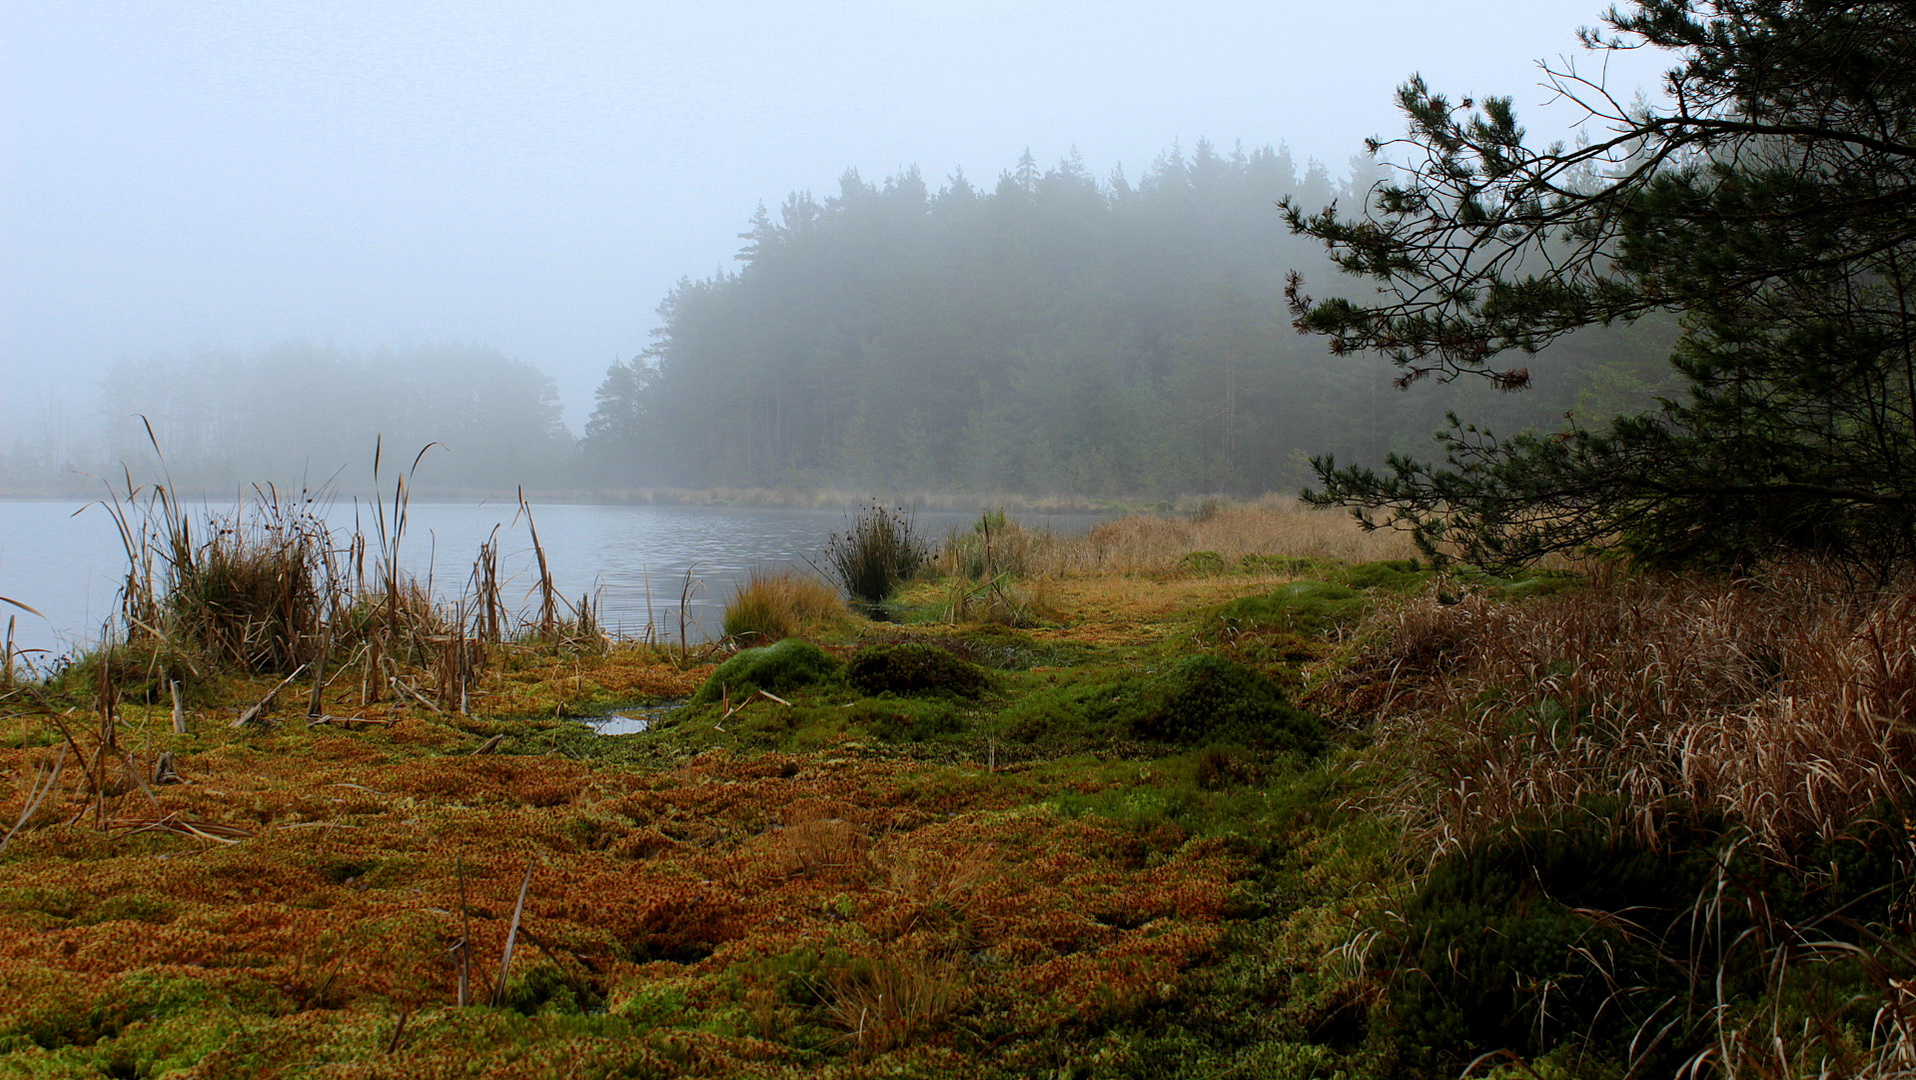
914,668
770,607
1493,922
790,664
880,550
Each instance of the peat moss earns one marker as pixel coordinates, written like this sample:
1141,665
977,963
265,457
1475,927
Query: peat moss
1196,701
1206,699
1308,607
1391,575
788,665
914,668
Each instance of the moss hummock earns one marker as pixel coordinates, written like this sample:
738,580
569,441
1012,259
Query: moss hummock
788,665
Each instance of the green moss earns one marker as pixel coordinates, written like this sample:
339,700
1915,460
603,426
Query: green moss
908,721
1391,575
1204,699
1203,563
1301,607
131,907
1006,649
914,668
1197,700
1076,708
788,665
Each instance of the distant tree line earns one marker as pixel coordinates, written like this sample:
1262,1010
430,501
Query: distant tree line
1049,333
303,414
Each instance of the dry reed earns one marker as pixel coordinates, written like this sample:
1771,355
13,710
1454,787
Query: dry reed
892,999
1785,706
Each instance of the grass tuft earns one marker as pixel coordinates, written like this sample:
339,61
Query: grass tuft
771,607
879,550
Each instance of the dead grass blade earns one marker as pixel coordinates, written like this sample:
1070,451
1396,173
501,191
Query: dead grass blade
512,934
44,780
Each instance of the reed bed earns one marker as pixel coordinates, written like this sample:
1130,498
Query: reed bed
273,588
1786,707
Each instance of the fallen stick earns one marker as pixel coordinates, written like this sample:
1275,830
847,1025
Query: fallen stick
419,697
254,714
328,720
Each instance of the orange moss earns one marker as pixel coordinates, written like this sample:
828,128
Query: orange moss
336,904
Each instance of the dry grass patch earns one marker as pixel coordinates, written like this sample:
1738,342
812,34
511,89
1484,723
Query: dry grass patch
1123,609
1272,527
774,605
1787,705
1151,544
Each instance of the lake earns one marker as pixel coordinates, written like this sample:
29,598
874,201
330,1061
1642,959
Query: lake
66,560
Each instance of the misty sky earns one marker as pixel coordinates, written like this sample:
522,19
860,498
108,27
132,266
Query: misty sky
536,175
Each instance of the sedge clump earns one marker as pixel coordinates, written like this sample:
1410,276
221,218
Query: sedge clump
771,607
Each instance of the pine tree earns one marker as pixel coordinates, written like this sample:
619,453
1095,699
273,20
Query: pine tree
1770,202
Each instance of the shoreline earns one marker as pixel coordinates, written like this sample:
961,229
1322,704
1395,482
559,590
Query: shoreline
940,501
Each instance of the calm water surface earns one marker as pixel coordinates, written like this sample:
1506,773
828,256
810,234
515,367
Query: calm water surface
66,560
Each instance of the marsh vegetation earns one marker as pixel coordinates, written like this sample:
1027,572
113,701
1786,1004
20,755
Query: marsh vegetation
1238,806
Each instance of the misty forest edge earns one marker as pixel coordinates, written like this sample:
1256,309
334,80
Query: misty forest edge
1051,336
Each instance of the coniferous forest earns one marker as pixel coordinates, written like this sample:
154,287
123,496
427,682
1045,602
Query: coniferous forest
1048,333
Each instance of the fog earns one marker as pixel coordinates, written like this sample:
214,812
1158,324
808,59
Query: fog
188,180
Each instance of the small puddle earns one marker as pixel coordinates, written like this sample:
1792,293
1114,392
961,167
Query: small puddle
630,720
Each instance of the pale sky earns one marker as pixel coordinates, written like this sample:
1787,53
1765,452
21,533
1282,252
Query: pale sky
534,175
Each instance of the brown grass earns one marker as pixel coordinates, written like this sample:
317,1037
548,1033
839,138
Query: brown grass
1785,704
890,1000
773,605
1272,526
1153,544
